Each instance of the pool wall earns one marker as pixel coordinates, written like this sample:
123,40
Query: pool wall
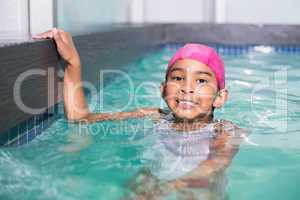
113,48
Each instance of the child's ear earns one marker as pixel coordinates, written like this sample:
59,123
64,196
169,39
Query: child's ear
221,98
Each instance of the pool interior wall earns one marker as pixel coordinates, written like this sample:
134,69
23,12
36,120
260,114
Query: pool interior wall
113,48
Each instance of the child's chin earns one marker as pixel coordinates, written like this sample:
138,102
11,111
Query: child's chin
189,115
185,115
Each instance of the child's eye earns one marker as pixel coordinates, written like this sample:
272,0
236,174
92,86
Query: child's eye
201,81
177,78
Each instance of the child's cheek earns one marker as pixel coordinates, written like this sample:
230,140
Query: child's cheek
205,99
208,88
171,90
169,94
205,93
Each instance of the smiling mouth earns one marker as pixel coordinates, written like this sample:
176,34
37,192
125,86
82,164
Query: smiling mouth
185,104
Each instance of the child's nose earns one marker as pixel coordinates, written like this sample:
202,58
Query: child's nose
187,89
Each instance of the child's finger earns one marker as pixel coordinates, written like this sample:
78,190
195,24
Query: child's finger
57,36
44,35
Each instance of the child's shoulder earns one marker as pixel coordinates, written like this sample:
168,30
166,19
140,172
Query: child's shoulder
165,115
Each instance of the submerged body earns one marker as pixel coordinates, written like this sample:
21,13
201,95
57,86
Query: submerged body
187,164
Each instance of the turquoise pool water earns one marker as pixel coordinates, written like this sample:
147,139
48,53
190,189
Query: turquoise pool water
97,161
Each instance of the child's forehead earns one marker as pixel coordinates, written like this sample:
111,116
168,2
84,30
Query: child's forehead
189,65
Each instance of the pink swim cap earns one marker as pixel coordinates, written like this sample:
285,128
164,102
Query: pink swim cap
205,55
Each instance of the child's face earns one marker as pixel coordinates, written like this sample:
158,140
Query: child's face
190,89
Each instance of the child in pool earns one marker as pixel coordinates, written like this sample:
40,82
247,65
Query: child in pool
194,86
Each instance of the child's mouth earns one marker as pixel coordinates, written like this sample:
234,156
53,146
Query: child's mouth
185,104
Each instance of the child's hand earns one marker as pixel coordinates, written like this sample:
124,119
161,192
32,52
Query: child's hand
64,43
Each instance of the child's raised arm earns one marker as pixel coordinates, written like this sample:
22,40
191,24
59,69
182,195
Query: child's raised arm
74,101
75,105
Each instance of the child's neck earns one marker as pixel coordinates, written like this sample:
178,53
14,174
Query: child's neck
192,124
